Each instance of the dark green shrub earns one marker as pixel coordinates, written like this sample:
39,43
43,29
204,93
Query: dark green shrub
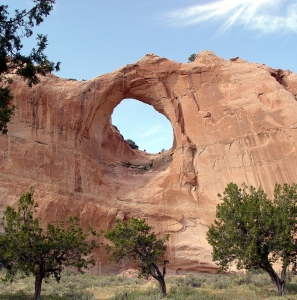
150,294
132,144
190,281
222,282
192,57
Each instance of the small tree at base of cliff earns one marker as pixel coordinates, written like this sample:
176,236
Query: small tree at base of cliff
251,231
25,248
134,240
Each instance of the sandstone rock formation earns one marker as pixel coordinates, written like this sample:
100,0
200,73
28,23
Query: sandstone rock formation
232,121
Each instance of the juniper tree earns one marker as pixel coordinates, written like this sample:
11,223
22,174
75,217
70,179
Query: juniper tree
192,57
13,29
28,249
132,144
253,232
135,240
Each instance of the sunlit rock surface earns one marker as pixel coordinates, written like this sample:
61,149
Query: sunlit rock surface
232,121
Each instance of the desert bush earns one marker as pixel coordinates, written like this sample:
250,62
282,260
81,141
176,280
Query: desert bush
251,285
111,280
243,278
77,292
190,280
152,293
261,280
121,295
192,57
186,287
132,144
181,291
222,282
292,288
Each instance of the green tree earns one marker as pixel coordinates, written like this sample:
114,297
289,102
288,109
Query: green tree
134,239
132,144
192,57
12,31
253,232
26,248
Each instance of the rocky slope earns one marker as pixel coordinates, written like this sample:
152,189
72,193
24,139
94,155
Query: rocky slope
232,121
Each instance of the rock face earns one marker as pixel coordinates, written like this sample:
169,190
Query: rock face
232,121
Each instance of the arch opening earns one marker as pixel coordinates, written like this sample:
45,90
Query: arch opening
150,130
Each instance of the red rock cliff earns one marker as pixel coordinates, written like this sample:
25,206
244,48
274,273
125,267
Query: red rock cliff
232,121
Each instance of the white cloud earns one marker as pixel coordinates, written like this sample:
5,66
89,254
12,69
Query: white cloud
263,15
152,130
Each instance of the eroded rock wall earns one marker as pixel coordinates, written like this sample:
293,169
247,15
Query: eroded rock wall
232,121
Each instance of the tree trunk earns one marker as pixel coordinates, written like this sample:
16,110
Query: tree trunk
162,286
155,272
279,283
38,283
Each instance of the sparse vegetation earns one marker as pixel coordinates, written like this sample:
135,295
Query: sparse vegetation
192,57
250,285
144,167
132,144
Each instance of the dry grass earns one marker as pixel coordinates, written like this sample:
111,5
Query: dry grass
250,286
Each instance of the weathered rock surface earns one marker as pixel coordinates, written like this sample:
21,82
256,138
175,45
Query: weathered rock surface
232,121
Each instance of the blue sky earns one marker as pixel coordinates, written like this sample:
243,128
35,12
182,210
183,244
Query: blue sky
94,37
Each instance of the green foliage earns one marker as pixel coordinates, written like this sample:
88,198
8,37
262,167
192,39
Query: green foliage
192,57
150,293
26,248
190,280
134,239
12,31
71,286
132,144
254,232
5,110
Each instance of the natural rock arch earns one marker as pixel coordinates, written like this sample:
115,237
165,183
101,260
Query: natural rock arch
148,89
232,121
